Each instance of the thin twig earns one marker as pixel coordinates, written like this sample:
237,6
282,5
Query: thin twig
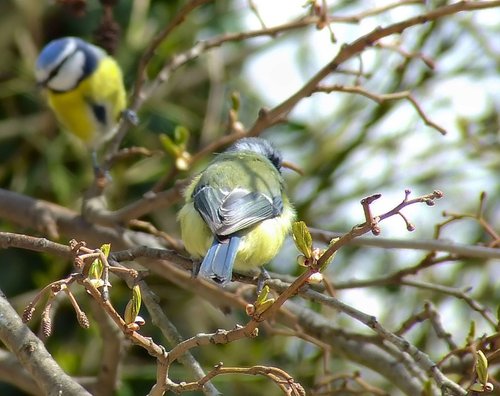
458,249
460,294
380,98
279,112
371,222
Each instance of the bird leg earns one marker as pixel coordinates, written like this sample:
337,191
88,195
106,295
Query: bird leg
130,116
103,176
195,269
261,279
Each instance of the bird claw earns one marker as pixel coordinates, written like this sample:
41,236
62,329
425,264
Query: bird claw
261,279
131,116
100,173
195,270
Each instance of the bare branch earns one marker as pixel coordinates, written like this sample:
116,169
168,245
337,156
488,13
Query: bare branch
96,211
156,41
380,98
113,351
453,248
420,358
371,222
170,332
460,294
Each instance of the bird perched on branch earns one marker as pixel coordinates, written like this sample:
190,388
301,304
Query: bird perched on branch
84,87
236,211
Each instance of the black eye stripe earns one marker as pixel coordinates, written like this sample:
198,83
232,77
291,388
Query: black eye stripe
55,71
90,61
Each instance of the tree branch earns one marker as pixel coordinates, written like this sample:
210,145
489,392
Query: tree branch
430,245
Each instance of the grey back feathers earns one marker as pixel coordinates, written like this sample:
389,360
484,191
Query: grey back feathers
227,213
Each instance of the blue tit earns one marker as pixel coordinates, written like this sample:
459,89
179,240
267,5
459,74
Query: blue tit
236,212
84,88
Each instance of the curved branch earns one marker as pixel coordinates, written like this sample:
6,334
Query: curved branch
113,351
22,210
426,245
170,332
420,358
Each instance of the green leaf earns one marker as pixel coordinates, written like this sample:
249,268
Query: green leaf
477,387
176,148
106,248
263,302
302,238
235,101
330,259
97,266
169,146
261,308
482,367
181,136
262,295
133,306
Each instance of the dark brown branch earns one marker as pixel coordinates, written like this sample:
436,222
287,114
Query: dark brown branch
21,210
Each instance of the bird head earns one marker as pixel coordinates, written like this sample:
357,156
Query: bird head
65,62
259,146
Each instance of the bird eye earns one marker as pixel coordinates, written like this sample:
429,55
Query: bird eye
55,71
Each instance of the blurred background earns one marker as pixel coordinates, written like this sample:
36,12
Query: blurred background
348,145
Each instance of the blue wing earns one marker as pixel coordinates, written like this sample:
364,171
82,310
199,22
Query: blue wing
227,213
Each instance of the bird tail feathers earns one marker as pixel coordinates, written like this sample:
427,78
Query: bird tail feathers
218,262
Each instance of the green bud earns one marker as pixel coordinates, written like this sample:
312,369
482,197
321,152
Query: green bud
263,302
181,136
133,306
481,367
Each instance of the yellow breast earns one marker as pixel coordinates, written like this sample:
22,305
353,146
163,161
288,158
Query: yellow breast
263,242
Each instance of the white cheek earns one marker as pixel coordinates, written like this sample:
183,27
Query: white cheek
69,74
